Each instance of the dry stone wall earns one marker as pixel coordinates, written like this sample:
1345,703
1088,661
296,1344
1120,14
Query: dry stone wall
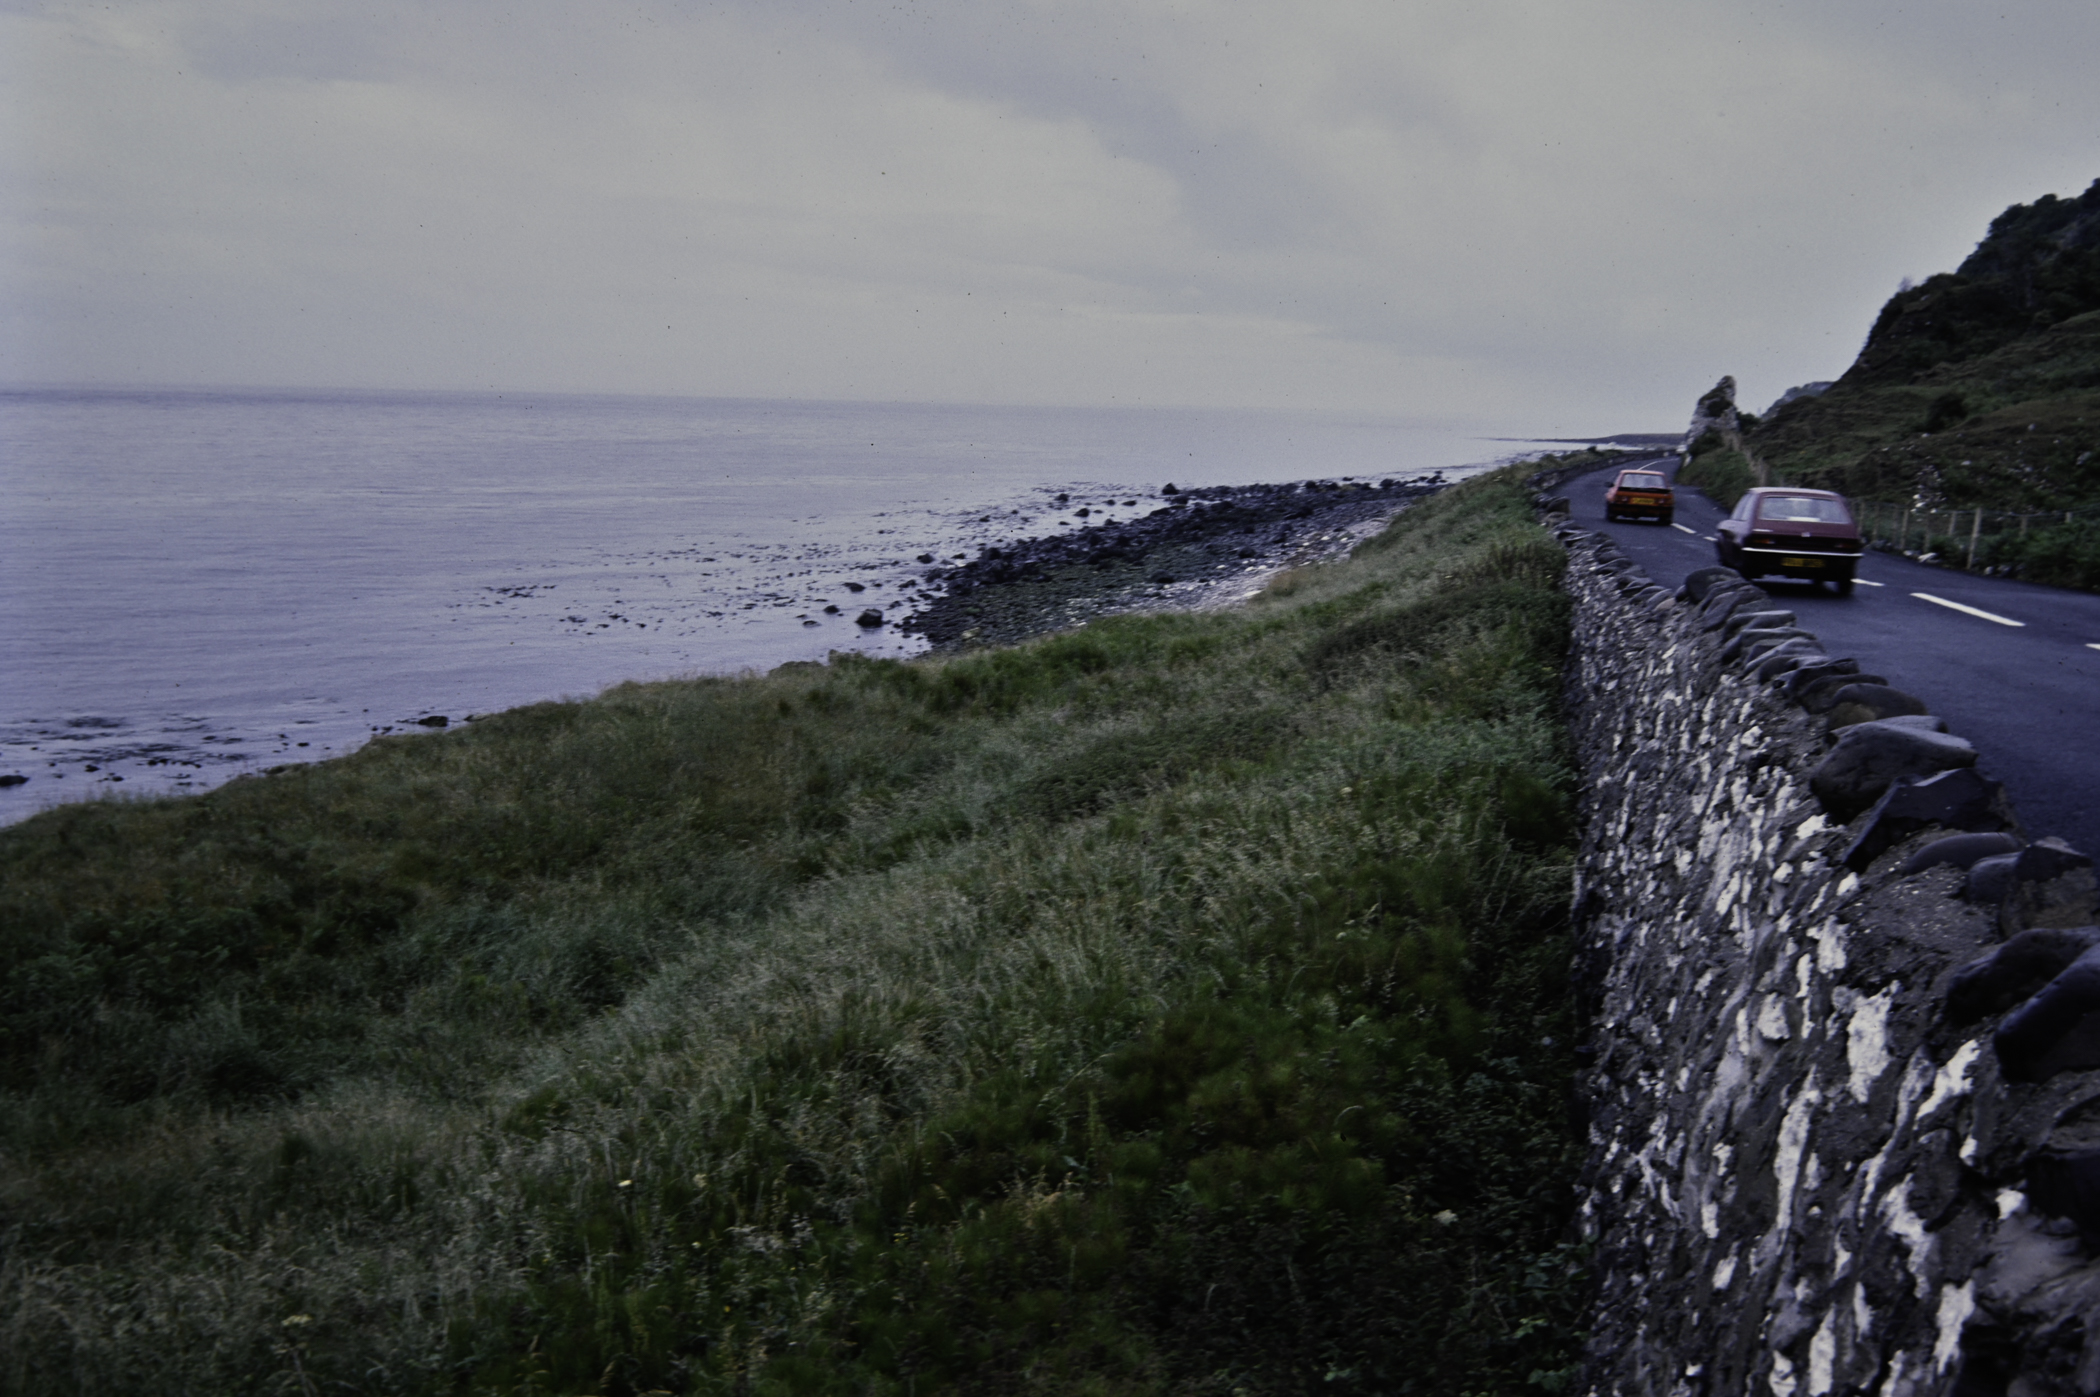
1811,1172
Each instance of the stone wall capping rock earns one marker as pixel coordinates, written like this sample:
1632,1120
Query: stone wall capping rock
1785,657
1819,695
1960,798
2051,885
1700,581
1809,674
1715,611
1960,851
1743,619
2010,974
1795,1136
1751,636
2055,1030
1870,757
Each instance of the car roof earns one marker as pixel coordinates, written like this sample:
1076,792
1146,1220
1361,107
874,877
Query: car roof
1640,470
1793,490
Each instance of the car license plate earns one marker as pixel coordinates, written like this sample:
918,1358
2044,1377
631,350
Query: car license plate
1801,562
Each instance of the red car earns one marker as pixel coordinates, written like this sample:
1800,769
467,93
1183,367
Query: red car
1809,534
1638,493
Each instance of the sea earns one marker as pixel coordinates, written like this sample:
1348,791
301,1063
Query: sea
201,584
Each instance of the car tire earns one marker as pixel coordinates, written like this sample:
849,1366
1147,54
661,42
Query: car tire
1843,585
1663,519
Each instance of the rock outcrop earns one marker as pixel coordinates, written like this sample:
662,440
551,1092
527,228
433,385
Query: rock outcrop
1714,412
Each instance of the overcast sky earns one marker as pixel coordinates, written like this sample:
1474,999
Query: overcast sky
1546,215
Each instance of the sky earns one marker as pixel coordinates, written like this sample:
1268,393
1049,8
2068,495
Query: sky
1535,215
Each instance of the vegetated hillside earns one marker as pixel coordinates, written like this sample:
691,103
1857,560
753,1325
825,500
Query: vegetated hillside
1979,387
1174,1005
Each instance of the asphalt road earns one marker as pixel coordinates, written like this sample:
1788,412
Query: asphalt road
2026,694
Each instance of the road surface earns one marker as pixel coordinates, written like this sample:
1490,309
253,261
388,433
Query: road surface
2012,667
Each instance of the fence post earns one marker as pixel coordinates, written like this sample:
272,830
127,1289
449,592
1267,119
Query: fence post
1903,537
1975,529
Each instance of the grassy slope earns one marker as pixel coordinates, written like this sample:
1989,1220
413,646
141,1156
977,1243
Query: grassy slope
1177,1005
2031,409
1978,388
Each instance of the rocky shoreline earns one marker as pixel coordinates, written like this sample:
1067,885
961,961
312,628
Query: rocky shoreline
1200,547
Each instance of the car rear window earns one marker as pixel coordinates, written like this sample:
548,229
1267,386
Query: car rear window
1802,509
1640,482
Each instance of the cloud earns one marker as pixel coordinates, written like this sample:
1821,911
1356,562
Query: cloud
1521,212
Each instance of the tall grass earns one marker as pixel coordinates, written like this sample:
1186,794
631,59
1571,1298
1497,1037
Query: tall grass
1174,1005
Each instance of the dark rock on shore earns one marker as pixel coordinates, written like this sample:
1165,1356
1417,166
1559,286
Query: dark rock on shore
1198,540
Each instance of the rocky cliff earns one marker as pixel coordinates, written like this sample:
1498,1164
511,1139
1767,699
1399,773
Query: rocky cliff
1978,387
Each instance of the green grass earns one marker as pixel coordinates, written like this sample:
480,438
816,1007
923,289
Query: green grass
2013,430
1717,472
1175,1005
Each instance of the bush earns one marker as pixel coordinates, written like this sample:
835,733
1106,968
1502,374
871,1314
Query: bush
2060,555
1721,475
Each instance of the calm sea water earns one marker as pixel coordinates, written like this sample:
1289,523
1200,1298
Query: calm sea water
195,584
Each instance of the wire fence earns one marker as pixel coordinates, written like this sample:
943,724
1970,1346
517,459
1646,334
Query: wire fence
2050,542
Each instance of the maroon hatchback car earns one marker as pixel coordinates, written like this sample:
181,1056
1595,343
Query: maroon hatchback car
1782,529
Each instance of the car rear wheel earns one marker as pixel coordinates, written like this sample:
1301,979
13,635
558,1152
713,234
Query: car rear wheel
1663,518
1844,586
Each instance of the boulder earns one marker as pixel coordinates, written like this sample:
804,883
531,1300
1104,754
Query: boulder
13,778
1698,584
2058,1029
1870,757
1817,695
1745,619
1725,600
1959,851
870,618
2047,884
1958,799
1750,638
1864,703
1993,983
1922,722
1991,879
1785,656
1889,702
1809,674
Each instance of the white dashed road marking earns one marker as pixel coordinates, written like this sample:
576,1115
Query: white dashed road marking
1864,583
1683,530
2091,646
1710,538
1966,610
